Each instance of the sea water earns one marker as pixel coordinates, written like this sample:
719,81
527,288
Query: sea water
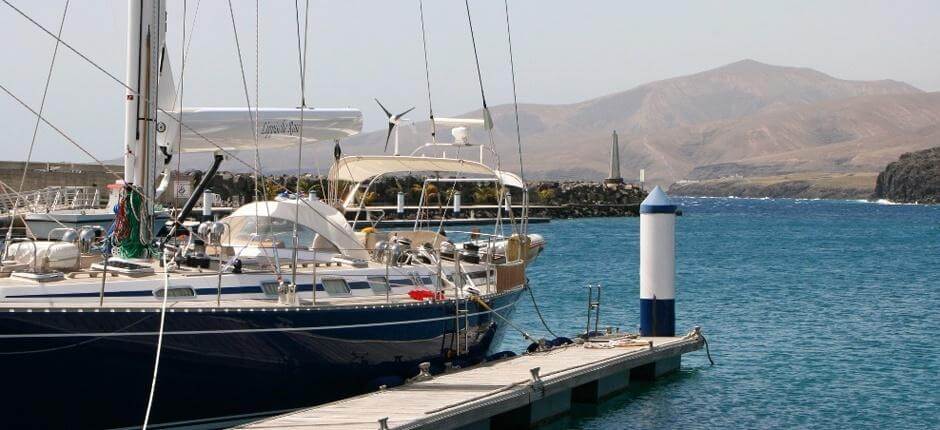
819,314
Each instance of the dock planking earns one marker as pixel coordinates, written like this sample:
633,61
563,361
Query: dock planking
499,394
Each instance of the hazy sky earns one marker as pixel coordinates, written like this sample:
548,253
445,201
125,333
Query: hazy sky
565,52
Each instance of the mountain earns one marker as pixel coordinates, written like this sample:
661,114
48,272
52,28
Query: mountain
742,118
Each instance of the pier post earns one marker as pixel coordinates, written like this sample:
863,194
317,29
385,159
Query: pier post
207,200
657,265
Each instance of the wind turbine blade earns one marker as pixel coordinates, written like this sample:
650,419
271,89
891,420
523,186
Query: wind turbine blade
387,113
401,115
391,126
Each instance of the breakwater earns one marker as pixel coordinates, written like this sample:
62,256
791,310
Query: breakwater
553,199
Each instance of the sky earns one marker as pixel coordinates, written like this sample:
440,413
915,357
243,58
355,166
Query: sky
358,50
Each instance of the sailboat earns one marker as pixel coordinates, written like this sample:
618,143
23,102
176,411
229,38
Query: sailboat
281,305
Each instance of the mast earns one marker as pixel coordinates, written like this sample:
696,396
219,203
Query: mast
145,35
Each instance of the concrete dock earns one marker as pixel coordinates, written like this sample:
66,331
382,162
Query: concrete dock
512,393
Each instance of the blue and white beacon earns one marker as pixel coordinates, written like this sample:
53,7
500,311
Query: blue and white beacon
657,265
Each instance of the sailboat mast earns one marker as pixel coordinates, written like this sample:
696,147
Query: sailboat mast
145,35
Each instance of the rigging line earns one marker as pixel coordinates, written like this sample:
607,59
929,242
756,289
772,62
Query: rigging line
300,145
185,46
487,120
427,71
183,55
300,59
476,56
303,82
260,189
45,92
251,117
257,98
241,67
42,105
58,130
85,151
64,43
515,106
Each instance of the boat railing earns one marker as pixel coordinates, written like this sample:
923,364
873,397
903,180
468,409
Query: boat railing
50,199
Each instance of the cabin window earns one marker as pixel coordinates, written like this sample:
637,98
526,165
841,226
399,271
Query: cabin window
175,293
270,288
379,284
336,287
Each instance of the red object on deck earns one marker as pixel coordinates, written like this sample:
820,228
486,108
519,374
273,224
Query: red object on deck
422,294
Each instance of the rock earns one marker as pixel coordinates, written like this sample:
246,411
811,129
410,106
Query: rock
914,178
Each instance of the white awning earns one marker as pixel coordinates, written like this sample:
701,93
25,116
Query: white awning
232,128
361,168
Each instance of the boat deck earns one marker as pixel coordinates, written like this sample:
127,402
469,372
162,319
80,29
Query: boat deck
500,394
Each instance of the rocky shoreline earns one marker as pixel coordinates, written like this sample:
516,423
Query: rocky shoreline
914,178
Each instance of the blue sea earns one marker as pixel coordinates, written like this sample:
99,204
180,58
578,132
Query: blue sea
819,314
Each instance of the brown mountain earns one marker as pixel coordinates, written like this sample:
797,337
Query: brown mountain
741,118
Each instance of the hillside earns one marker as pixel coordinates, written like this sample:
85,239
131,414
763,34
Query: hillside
743,118
804,185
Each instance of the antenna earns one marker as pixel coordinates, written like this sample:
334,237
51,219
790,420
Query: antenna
393,121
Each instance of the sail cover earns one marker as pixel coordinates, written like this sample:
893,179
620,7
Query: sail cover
361,168
232,129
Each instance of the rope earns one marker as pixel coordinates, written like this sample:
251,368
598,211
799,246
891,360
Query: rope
427,70
156,362
708,353
83,56
538,312
479,301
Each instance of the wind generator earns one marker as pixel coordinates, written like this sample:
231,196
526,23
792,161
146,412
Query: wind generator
393,122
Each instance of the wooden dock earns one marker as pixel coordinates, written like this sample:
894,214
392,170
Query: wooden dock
507,394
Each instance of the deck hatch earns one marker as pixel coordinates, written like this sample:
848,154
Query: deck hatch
379,284
175,293
336,287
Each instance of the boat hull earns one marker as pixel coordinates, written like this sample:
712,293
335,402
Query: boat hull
82,368
41,224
